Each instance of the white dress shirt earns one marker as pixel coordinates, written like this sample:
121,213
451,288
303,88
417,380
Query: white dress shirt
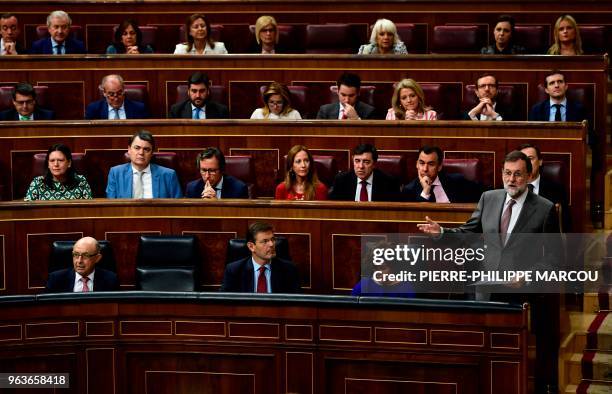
78,283
111,112
516,209
147,182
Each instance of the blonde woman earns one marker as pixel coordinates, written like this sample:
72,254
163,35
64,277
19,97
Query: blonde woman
266,37
277,104
567,37
198,38
408,103
383,40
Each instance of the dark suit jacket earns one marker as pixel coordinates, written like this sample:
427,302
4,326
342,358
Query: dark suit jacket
39,114
575,112
44,47
555,192
331,111
238,277
384,187
62,281
537,216
256,48
506,113
457,189
214,110
232,188
133,110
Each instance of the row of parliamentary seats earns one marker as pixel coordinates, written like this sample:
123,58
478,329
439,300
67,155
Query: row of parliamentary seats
94,165
337,38
450,100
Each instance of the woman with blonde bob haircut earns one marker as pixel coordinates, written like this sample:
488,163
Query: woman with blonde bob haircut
408,102
301,181
567,37
198,38
277,104
384,40
266,36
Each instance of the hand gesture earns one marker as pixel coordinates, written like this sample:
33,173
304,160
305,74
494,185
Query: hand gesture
430,227
9,48
350,112
425,184
209,191
132,50
411,114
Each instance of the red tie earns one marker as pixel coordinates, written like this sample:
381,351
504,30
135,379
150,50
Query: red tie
343,114
363,195
85,287
505,221
262,283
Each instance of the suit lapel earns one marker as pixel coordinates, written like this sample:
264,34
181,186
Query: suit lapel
104,112
128,180
247,278
526,213
187,113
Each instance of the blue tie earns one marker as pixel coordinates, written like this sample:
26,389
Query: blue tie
59,49
196,113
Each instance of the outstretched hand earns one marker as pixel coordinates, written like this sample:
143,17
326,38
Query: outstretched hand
430,227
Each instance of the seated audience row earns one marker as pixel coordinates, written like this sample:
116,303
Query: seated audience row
407,102
140,178
384,39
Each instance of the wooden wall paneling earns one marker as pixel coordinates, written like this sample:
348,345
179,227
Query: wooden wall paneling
21,171
101,370
66,98
99,36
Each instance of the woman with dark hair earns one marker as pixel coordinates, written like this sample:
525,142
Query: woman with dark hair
277,104
504,39
198,38
128,40
301,181
567,37
60,181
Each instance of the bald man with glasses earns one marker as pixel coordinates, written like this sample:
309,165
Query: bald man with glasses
115,105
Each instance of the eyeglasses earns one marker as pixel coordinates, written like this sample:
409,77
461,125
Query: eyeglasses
24,102
509,174
487,85
114,94
84,255
210,171
268,30
276,103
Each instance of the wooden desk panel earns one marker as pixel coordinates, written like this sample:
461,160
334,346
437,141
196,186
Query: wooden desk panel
128,343
268,142
324,237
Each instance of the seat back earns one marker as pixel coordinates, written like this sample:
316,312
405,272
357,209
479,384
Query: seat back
237,249
444,98
167,263
61,256
329,38
394,165
553,171
595,39
457,39
471,169
243,168
6,96
535,38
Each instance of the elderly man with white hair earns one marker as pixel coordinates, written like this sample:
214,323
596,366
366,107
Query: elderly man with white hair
58,42
384,40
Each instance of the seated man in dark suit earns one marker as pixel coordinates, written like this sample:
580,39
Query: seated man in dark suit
552,191
58,42
115,105
488,108
214,183
9,31
434,185
365,182
199,104
262,272
348,105
84,276
24,100
557,107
